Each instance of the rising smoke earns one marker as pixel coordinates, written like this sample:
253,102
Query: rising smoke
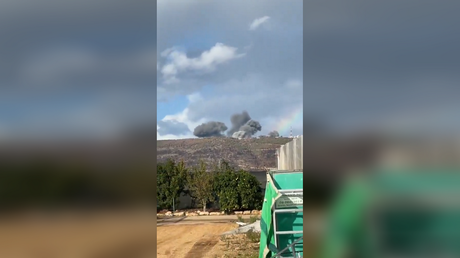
210,129
250,128
238,120
274,134
242,127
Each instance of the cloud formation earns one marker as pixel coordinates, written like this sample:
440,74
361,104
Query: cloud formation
178,62
257,22
182,117
267,82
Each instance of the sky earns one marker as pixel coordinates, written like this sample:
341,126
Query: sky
76,68
218,58
391,65
98,68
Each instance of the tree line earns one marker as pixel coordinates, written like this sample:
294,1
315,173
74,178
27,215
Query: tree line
221,184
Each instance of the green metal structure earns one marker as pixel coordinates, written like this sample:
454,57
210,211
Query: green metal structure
411,213
282,215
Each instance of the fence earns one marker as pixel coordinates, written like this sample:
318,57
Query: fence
290,155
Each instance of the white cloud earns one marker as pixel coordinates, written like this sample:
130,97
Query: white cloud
267,83
183,117
195,97
276,103
231,97
206,62
257,22
167,51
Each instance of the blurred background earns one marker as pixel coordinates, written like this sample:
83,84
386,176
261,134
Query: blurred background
381,80
380,84
77,101
77,130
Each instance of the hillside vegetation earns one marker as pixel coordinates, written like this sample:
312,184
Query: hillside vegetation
248,154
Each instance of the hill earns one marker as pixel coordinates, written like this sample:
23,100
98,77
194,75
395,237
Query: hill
249,154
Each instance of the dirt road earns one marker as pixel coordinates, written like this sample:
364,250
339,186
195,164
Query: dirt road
191,240
199,220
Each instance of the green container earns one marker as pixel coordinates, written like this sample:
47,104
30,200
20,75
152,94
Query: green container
282,215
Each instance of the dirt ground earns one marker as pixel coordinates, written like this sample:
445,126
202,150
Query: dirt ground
76,235
131,234
184,241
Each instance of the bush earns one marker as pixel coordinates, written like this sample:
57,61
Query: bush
253,236
253,219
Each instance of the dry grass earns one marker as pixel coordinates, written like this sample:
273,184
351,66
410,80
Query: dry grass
242,245
249,220
249,154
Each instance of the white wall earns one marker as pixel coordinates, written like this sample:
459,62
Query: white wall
290,155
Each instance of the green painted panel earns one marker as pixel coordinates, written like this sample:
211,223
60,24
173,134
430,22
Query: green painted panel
289,222
284,221
284,181
285,240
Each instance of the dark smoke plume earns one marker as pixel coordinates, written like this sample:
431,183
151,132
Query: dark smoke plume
274,134
210,129
238,120
251,127
247,130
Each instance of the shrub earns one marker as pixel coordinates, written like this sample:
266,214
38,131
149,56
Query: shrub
253,236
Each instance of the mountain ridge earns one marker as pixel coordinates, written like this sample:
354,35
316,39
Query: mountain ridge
249,154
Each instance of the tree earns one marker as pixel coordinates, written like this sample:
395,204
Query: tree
171,179
226,188
200,184
249,191
236,189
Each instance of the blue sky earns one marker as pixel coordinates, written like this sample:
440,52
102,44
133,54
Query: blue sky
175,105
221,67
83,66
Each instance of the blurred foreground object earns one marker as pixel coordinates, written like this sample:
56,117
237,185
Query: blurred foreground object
396,213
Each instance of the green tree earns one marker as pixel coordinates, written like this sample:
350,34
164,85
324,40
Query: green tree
236,189
249,191
171,180
200,184
226,189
